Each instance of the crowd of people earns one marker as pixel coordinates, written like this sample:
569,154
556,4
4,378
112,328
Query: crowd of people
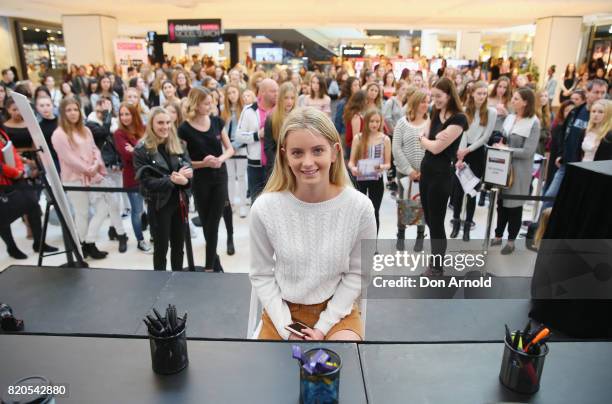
177,131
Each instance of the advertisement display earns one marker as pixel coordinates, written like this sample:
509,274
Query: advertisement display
130,52
192,32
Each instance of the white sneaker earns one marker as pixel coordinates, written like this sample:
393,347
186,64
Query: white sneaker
145,247
243,211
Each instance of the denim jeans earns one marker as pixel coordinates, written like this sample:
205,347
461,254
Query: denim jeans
553,188
136,209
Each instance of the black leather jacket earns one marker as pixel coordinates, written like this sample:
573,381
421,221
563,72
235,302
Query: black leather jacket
153,173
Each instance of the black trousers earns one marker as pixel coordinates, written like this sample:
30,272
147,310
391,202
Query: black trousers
508,216
167,226
374,189
435,190
210,200
15,203
475,160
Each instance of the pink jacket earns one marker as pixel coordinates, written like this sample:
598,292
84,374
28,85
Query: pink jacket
80,160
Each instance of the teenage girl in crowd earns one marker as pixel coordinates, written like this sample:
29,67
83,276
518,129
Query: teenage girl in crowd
132,96
373,96
155,91
353,118
389,85
408,153
499,98
181,82
318,97
596,143
310,186
371,143
164,171
105,90
350,87
82,165
472,152
168,93
521,136
395,106
236,167
569,82
126,137
448,123
173,108
545,116
206,141
48,123
287,96
556,139
55,94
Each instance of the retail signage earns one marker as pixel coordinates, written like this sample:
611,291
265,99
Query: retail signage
353,52
130,52
192,32
498,167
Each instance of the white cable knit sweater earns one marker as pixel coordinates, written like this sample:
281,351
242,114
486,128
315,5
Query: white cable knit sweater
306,253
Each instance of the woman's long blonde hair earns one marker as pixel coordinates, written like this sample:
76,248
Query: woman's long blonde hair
279,114
315,121
65,124
195,97
606,125
226,114
470,108
364,137
412,106
151,141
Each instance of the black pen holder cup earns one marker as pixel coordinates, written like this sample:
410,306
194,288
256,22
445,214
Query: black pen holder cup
169,354
321,388
521,372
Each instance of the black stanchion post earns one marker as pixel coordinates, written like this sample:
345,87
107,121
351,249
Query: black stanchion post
492,204
184,206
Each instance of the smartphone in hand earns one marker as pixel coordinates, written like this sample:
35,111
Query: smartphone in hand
296,328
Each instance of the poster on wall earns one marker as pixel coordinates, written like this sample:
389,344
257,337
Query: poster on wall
130,52
192,32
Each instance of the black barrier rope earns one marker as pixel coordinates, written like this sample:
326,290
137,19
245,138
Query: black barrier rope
526,198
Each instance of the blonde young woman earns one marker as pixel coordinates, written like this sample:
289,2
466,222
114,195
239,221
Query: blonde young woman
408,153
374,96
209,147
164,170
82,165
598,132
371,144
182,83
236,167
287,96
313,275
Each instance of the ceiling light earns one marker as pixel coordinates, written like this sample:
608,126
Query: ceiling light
610,30
25,28
37,29
59,32
48,31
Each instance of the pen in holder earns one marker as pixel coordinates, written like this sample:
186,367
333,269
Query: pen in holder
168,342
520,371
320,387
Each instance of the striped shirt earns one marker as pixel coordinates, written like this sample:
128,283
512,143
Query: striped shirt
407,150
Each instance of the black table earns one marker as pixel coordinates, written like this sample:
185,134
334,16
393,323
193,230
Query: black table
84,301
116,370
468,373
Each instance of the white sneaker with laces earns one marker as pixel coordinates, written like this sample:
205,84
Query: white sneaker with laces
145,247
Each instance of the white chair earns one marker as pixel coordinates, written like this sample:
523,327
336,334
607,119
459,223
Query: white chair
255,310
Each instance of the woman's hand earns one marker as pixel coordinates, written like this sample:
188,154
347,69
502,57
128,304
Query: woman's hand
129,148
312,334
178,179
355,172
459,164
500,145
186,172
293,337
461,153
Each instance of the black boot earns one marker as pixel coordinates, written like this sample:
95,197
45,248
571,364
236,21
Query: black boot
90,250
217,265
466,231
16,253
11,246
112,233
418,245
46,248
230,244
481,199
123,238
401,236
456,227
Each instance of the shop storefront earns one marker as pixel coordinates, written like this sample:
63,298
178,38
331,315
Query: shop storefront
41,49
600,46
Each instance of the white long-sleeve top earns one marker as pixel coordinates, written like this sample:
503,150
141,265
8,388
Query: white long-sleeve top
407,150
478,135
247,133
306,253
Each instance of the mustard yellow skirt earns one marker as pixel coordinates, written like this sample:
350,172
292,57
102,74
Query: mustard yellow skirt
309,315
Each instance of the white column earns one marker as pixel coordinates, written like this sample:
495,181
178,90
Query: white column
468,45
429,43
89,38
556,42
405,46
7,46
